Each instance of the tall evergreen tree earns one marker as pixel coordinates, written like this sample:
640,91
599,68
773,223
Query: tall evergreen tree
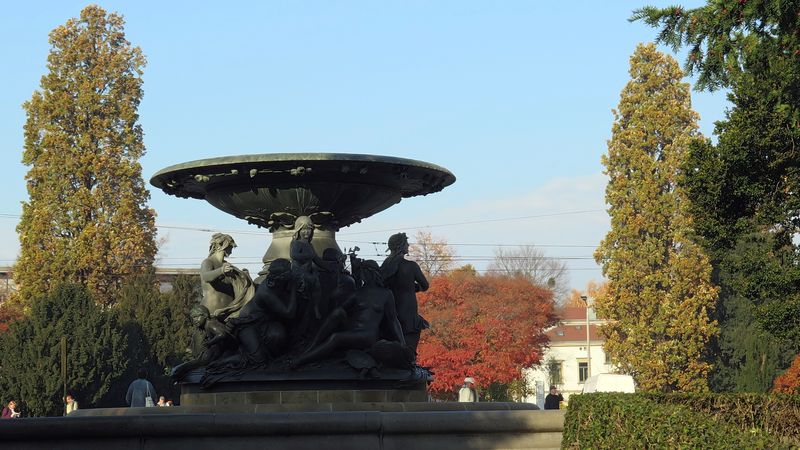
87,220
30,371
659,294
156,326
184,294
744,190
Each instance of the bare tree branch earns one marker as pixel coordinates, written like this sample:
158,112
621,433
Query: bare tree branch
533,264
432,254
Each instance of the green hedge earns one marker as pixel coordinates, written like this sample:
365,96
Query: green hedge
776,414
611,420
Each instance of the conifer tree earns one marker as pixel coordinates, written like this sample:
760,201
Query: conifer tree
86,220
31,350
745,190
659,294
156,326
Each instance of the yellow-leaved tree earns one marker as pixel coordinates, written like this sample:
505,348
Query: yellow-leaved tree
87,219
659,295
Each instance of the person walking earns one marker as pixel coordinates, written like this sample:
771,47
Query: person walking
140,392
468,393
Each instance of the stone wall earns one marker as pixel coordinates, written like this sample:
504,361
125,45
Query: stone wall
158,429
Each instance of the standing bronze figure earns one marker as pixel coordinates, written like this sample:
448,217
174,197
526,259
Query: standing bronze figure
405,279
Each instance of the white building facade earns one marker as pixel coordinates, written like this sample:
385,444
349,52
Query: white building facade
569,361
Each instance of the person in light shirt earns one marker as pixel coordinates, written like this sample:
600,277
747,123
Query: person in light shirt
468,393
71,404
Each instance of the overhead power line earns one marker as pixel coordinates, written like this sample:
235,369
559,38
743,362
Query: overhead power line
472,222
262,232
455,258
450,244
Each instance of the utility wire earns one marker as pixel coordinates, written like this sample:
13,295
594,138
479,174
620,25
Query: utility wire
455,258
472,222
345,234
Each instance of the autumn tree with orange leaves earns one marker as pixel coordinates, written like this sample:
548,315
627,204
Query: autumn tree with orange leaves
593,289
488,327
9,313
789,381
86,220
659,298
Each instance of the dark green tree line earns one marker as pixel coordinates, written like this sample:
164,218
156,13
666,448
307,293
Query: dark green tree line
105,347
30,371
157,326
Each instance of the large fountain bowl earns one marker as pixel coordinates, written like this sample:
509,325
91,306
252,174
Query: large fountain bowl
335,189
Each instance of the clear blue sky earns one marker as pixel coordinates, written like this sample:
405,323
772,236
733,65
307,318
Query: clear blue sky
514,97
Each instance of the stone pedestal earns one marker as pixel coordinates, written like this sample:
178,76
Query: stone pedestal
310,396
256,412
386,426
307,387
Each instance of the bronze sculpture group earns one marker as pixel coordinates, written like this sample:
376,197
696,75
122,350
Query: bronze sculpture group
308,312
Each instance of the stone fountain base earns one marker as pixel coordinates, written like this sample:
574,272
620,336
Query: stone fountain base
308,396
385,426
260,410
306,386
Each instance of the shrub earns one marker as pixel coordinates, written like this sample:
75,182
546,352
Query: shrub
611,420
776,414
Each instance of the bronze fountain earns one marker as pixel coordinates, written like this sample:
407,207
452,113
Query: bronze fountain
333,189
285,193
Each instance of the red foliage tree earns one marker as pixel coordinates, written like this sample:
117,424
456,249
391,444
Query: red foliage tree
789,381
487,327
8,313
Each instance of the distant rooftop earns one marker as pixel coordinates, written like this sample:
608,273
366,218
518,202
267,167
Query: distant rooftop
164,275
572,325
570,313
7,271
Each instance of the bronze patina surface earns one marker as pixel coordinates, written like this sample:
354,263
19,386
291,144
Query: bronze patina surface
306,320
334,189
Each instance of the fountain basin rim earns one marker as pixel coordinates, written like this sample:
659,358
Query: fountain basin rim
160,177
350,187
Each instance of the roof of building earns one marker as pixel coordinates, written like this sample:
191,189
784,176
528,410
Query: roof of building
573,313
572,326
574,333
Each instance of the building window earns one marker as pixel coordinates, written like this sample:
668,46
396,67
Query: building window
559,332
554,372
583,371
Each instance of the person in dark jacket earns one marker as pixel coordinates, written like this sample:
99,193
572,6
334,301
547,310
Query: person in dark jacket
553,399
139,390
